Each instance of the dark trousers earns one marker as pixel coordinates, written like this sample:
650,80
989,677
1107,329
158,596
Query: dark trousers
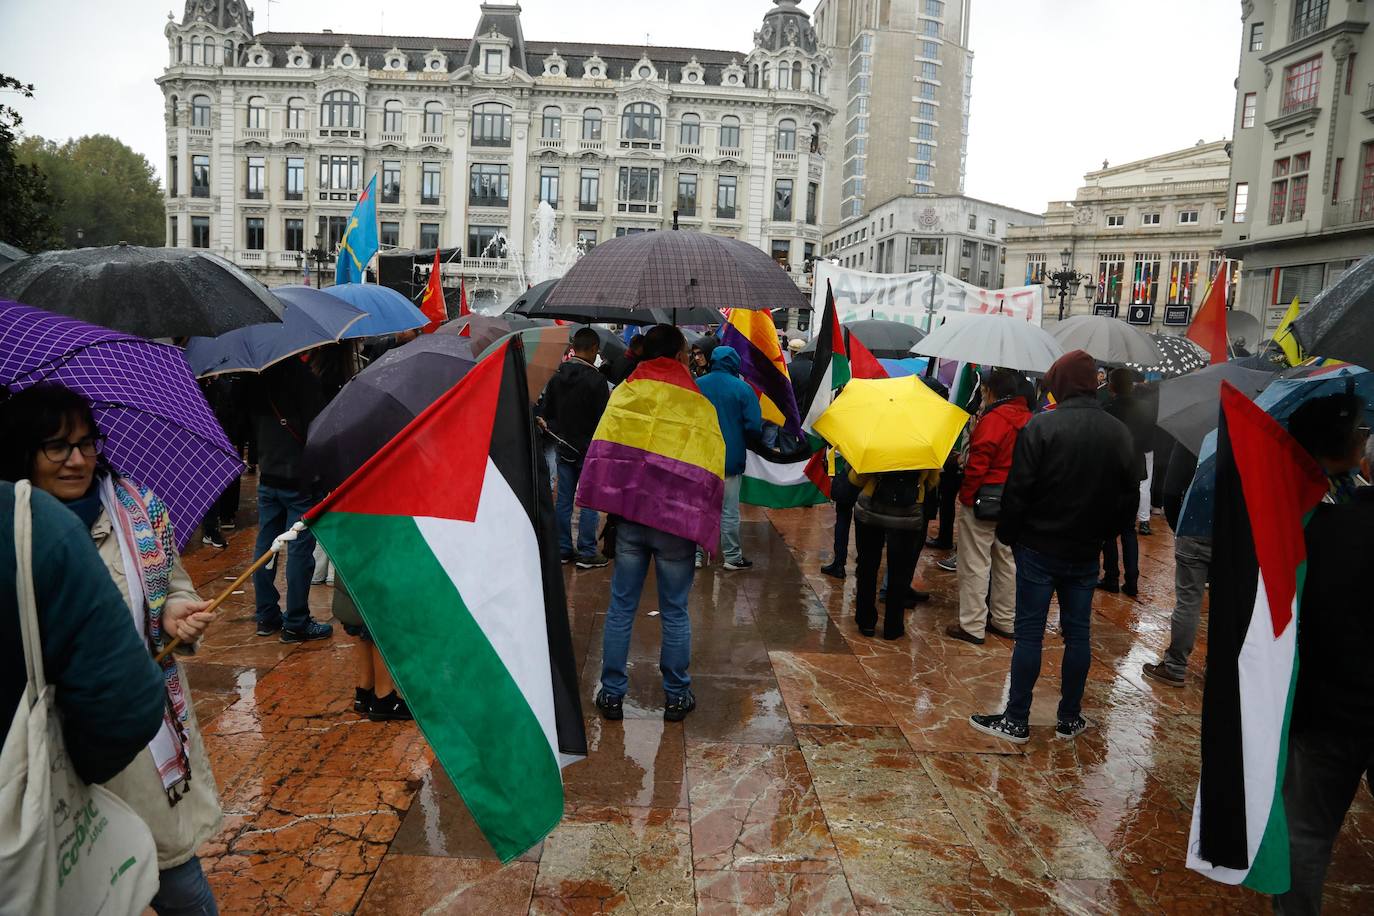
844,517
1130,557
903,549
223,509
1039,577
1324,770
951,479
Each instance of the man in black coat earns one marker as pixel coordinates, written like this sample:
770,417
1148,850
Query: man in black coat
1135,414
573,402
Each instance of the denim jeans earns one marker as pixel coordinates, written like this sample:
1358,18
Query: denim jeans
568,473
635,546
183,891
1039,577
1130,558
278,510
1192,559
730,549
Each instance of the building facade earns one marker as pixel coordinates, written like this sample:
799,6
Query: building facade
271,138
1146,233
901,91
1302,173
957,235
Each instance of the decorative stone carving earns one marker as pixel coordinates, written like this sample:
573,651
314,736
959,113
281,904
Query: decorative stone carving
732,75
1083,216
394,61
1247,7
693,73
347,58
594,67
257,56
1342,48
1268,76
436,61
644,69
928,219
297,58
555,65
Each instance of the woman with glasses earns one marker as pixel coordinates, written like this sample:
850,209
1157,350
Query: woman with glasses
49,436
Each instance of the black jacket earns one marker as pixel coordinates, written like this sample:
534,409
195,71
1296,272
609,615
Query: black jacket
286,398
574,400
1135,413
1073,482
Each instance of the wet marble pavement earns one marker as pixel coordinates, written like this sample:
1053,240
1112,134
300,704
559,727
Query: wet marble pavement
822,772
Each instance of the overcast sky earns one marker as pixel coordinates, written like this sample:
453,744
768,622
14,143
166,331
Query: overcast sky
1058,86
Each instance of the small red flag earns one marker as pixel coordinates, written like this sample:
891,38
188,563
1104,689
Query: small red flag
463,305
432,302
1209,325
862,363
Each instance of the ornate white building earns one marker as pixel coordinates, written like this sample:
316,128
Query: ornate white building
271,138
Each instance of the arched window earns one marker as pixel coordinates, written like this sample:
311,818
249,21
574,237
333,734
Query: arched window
175,115
815,137
339,108
491,124
784,76
690,133
229,60
434,118
641,121
729,132
391,116
815,78
257,113
796,75
754,79
551,125
200,111
195,52
591,124
208,52
180,50
767,77
787,135
295,114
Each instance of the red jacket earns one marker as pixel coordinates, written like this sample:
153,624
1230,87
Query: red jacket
991,445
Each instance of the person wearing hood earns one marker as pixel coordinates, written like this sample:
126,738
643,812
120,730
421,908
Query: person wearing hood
741,423
1073,483
700,356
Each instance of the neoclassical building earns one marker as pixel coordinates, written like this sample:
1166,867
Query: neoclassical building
271,138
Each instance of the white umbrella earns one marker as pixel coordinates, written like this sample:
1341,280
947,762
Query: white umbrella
1107,340
993,340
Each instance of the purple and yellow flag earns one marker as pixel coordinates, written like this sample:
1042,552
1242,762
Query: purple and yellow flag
658,457
755,337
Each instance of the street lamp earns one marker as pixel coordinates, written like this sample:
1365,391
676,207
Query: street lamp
1064,282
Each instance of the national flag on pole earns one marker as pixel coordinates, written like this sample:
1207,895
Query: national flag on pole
755,337
1208,329
801,481
432,302
829,366
1286,339
1267,487
862,362
445,540
360,240
463,305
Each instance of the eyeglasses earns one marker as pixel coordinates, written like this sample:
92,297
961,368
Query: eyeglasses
59,450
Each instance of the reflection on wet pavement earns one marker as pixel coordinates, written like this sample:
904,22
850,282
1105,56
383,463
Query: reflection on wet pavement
822,772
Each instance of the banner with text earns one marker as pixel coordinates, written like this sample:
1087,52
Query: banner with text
914,298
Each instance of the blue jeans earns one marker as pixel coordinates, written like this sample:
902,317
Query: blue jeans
568,473
635,545
278,510
730,548
1040,576
183,891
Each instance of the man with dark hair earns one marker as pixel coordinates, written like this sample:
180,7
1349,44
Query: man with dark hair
1333,430
573,402
1127,408
619,369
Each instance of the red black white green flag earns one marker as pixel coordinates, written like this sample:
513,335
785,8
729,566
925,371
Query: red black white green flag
1267,487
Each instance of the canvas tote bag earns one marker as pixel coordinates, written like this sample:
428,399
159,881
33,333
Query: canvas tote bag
65,847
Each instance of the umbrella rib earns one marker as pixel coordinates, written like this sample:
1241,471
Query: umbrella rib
58,361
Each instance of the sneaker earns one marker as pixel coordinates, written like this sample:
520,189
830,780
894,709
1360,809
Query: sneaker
675,709
228,523
1110,588
215,540
363,698
1145,529
700,562
1160,673
1000,726
612,708
318,578
269,629
567,558
313,630
833,571
390,708
954,631
949,563
741,563
595,561
1071,728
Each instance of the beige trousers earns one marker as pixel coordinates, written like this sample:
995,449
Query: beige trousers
984,560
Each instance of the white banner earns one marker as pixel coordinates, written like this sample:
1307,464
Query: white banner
920,299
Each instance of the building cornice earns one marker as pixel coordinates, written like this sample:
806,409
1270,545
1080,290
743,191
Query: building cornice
1311,41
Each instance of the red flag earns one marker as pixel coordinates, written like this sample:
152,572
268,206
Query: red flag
432,302
463,305
862,363
1209,325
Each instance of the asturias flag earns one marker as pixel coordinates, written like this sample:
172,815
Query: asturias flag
432,302
445,539
359,241
1267,486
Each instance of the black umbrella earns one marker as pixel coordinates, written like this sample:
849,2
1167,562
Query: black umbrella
378,402
1340,322
1178,356
1190,404
884,339
151,292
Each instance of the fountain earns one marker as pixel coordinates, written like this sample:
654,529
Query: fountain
547,258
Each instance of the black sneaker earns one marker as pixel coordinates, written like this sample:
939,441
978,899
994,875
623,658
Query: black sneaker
1001,727
1071,728
228,523
595,561
269,629
567,558
1144,529
675,709
313,630
215,540
741,563
834,571
390,708
612,708
363,698
949,563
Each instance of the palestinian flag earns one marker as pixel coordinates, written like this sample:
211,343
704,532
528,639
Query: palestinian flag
1267,487
802,481
445,540
862,363
829,367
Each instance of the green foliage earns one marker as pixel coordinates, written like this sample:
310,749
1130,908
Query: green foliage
26,202
106,193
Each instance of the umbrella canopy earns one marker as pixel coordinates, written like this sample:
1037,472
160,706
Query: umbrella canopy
532,298
483,330
1189,406
388,312
676,271
897,368
545,349
380,401
150,292
1179,356
891,424
312,320
159,430
993,340
1340,321
884,339
1107,340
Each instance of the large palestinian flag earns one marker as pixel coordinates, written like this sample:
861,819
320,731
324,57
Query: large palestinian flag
445,540
1267,486
829,368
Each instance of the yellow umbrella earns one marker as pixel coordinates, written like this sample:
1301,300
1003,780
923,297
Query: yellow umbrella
891,424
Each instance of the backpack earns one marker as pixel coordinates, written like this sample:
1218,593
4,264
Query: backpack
897,490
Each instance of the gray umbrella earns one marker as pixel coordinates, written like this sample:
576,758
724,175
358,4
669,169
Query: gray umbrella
1339,324
151,292
884,339
1190,404
1107,340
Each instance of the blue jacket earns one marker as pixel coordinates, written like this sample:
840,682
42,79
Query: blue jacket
737,406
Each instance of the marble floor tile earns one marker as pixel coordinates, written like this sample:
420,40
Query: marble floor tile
738,710
827,689
439,825
635,762
772,893
435,887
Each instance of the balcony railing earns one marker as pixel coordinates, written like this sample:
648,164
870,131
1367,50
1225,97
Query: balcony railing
1309,24
490,265
785,159
729,152
433,139
199,133
255,133
689,151
252,193
1295,105
726,213
393,137
591,146
297,134
253,256
1351,212
553,143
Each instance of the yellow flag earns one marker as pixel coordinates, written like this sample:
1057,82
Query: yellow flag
1285,337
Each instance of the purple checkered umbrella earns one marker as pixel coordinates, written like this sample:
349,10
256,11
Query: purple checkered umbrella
675,270
159,430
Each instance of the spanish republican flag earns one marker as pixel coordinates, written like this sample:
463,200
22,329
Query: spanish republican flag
445,540
755,337
1267,487
432,302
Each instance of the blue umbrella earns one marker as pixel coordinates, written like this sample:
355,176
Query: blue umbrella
388,312
311,320
898,368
